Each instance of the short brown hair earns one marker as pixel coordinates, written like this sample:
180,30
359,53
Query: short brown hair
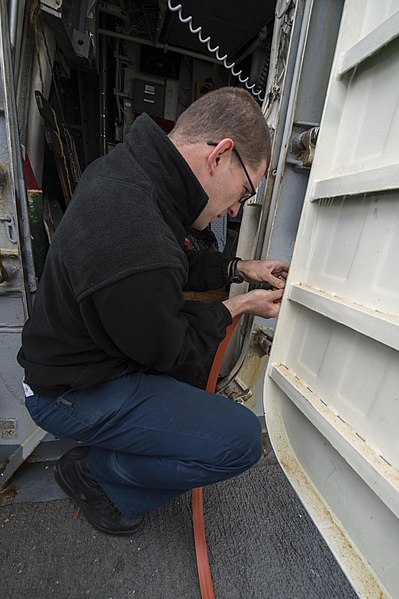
226,112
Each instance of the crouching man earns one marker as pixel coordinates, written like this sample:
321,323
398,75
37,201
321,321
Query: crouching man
109,319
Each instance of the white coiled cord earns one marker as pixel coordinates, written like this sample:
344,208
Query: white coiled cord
215,51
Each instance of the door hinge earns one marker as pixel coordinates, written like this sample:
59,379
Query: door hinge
263,340
237,391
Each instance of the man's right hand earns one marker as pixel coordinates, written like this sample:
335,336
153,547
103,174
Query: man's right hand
260,302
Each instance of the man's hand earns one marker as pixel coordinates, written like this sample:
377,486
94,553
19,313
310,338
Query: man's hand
261,302
273,272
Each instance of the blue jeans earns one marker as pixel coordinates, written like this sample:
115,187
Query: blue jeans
152,437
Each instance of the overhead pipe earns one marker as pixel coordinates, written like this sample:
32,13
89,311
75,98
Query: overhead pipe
165,47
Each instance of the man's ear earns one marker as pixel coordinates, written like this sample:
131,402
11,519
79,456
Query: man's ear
220,154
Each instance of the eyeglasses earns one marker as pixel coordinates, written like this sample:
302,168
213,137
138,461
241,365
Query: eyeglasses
246,196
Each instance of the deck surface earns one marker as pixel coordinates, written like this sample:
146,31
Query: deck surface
261,543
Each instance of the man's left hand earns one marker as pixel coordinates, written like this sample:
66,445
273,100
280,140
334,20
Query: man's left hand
273,272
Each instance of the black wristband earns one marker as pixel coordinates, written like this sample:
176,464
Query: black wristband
233,274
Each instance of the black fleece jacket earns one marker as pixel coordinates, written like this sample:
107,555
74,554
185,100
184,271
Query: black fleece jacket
110,300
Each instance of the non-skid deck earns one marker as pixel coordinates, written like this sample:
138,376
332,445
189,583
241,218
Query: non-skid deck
261,544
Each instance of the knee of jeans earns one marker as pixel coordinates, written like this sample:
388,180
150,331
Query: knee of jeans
249,441
254,451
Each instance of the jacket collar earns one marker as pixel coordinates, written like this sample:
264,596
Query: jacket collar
179,190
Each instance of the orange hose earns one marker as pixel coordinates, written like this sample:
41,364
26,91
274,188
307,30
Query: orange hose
204,572
217,360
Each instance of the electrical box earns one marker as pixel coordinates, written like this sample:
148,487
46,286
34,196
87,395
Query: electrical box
149,97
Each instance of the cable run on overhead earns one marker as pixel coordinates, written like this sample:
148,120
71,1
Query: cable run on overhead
222,59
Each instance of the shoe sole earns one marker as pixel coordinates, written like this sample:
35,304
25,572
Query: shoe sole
60,480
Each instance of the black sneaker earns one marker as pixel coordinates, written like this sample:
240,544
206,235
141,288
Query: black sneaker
73,475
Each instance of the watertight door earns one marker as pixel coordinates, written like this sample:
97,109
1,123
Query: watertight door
332,385
18,434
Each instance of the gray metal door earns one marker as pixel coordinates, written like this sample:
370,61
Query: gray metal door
18,434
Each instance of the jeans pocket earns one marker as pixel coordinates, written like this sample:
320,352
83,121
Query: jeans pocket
45,413
66,416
